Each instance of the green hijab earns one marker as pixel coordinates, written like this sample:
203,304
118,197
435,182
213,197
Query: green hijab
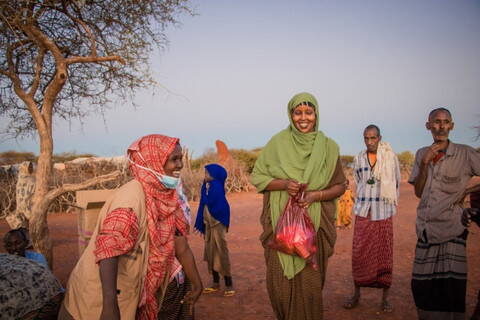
305,157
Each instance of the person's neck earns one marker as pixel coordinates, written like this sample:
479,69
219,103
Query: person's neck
443,144
372,152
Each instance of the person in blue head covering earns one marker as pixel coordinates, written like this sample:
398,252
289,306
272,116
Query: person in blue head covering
213,220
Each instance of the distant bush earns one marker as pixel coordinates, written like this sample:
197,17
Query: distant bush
347,160
246,158
209,156
13,157
406,159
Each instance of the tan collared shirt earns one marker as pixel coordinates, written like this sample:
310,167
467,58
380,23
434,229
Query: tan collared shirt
437,213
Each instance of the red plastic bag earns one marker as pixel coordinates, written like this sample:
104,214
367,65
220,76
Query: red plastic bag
295,233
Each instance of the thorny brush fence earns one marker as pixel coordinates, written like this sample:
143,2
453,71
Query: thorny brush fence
192,176
238,181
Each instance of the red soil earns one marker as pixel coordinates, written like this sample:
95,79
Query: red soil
246,254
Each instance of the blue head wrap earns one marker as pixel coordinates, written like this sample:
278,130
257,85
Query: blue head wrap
215,199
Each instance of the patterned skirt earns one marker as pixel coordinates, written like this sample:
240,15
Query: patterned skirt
372,253
28,289
439,280
173,307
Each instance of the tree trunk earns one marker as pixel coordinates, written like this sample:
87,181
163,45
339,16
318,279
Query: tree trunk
38,221
40,234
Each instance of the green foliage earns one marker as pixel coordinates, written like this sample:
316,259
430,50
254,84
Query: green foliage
347,160
208,156
12,157
406,159
245,157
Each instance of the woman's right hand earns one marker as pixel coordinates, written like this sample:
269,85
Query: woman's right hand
292,187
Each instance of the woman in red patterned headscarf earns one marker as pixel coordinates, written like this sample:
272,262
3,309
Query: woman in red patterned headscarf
140,234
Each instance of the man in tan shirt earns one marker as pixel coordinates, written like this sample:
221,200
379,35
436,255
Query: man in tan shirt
440,174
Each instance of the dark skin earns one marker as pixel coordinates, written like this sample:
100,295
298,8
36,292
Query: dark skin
468,215
109,267
15,243
439,124
471,213
185,256
108,277
371,139
306,115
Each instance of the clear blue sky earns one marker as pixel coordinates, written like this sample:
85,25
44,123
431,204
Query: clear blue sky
229,72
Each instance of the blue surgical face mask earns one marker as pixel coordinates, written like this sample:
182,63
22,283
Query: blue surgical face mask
167,181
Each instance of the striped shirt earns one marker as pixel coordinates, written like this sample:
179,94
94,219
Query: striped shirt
368,195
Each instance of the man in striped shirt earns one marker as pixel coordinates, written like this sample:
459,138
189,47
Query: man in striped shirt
377,179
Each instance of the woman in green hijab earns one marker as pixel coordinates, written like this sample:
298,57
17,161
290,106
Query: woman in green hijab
299,154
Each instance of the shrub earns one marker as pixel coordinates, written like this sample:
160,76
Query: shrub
347,161
13,157
406,159
245,158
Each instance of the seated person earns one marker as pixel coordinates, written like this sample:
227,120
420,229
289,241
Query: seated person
16,241
29,290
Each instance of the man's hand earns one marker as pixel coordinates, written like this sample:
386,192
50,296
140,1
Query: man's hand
468,215
292,187
431,153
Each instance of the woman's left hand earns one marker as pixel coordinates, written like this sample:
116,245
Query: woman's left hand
309,198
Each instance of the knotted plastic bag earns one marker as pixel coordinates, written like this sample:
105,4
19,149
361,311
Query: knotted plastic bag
295,233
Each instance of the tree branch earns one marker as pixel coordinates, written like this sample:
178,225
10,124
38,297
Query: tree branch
17,84
38,70
52,194
60,75
11,65
5,73
94,59
93,42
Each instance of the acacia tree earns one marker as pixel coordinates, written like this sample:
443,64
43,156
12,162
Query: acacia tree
66,59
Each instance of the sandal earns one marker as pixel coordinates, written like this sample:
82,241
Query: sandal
229,293
387,307
351,303
210,290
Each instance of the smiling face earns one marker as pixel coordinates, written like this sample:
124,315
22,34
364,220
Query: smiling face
371,139
15,243
440,124
174,163
304,118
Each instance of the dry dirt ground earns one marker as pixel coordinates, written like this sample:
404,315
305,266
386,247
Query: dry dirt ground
251,300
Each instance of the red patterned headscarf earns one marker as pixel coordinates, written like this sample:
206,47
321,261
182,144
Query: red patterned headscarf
164,214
